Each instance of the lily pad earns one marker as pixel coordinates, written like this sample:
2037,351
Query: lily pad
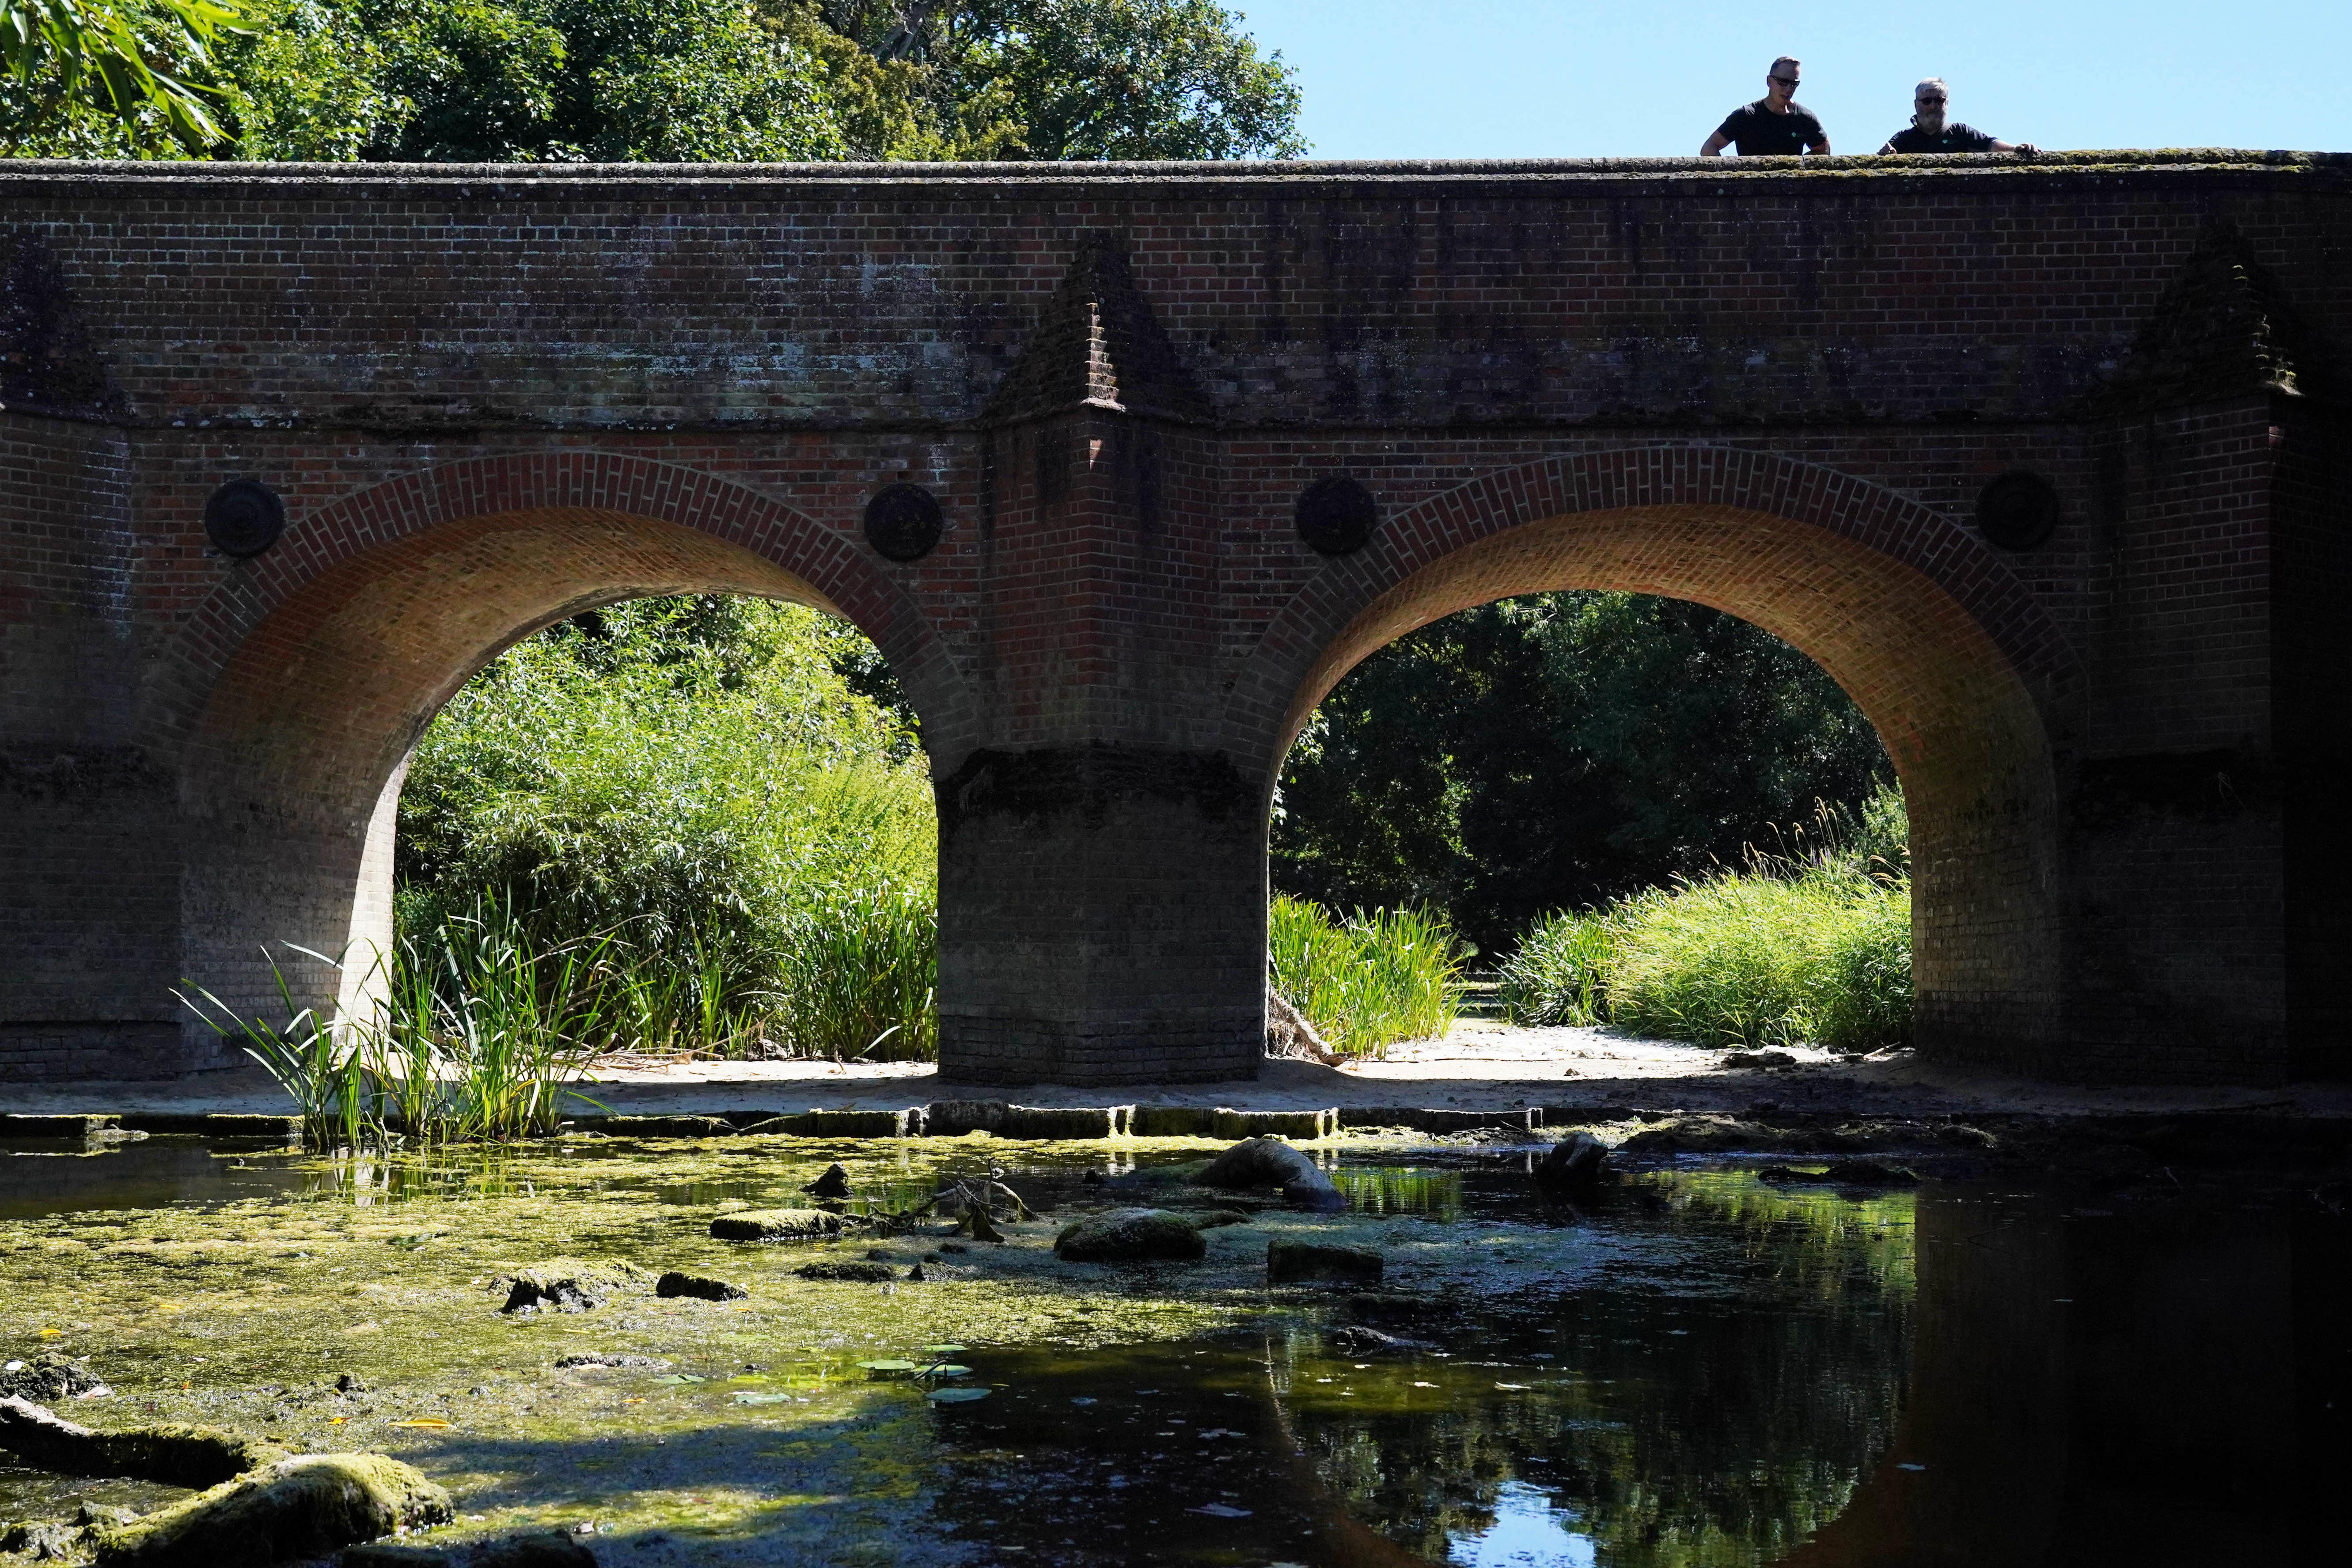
676,1377
752,1399
942,1350
955,1396
947,1369
889,1367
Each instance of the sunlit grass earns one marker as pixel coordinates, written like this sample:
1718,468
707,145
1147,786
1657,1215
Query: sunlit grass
1371,980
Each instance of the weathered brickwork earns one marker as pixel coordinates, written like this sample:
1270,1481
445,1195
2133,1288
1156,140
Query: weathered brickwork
493,398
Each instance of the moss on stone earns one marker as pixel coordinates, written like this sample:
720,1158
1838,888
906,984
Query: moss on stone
297,1507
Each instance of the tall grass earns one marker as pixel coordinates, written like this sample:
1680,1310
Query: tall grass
1371,980
1808,942
694,784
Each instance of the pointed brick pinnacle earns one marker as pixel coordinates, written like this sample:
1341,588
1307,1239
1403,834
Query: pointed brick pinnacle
1098,345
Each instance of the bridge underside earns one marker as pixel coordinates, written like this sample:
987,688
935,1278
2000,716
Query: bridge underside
2046,468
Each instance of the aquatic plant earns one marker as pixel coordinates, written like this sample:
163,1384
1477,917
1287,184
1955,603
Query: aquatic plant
1808,942
1370,980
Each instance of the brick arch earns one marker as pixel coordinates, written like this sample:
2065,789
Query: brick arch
305,683
1943,649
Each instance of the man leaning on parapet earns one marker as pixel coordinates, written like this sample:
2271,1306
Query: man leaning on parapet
1775,125
1929,131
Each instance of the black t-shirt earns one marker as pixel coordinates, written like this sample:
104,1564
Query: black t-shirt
1954,138
1758,133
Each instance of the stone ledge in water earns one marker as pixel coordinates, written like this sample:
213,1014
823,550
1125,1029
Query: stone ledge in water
958,1118
213,1123
48,1375
306,1506
847,1270
776,1225
1314,1263
569,1285
1131,1236
1845,1173
701,1288
175,1454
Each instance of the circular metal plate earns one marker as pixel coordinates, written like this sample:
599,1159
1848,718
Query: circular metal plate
243,518
1337,516
2017,511
903,522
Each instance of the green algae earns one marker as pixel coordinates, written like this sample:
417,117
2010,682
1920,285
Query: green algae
770,1439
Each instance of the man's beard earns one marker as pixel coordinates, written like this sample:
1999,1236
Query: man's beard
1933,124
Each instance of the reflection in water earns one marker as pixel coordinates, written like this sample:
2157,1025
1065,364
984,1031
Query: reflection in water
1529,1531
1691,1369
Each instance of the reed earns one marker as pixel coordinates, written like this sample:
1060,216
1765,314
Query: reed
1371,980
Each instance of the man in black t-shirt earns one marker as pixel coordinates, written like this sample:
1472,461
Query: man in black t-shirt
1929,131
1773,126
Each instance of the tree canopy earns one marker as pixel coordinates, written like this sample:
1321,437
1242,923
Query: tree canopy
653,81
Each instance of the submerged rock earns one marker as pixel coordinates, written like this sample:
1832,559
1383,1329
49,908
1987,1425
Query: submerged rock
834,1183
699,1287
1574,1162
1702,1135
549,1548
1356,1339
599,1358
394,1554
1845,1173
1315,1263
1210,1219
775,1225
174,1455
47,1376
1130,1236
846,1269
1271,1162
302,1507
569,1285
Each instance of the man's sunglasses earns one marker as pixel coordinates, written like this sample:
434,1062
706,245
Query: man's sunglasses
1936,98
1783,80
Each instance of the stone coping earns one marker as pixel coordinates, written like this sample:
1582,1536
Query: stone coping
1139,178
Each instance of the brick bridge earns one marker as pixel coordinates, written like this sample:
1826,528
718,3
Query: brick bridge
1122,467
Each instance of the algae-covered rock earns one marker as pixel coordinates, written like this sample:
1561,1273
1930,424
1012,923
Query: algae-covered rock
1704,1135
174,1455
1314,1263
302,1507
699,1286
547,1549
776,1225
46,1377
41,1542
600,1358
834,1183
1271,1162
848,1270
1130,1236
1573,1163
569,1285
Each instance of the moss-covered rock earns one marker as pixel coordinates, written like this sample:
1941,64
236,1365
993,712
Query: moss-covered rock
1573,1163
857,1269
1313,1263
1131,1236
700,1287
302,1507
569,1285
47,1376
1271,1162
175,1454
776,1225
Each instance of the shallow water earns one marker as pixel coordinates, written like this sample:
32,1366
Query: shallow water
1698,1366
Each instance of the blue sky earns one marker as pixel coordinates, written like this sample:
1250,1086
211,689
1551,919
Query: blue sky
1480,79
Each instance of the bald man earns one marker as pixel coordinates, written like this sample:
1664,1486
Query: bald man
1775,125
1929,131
